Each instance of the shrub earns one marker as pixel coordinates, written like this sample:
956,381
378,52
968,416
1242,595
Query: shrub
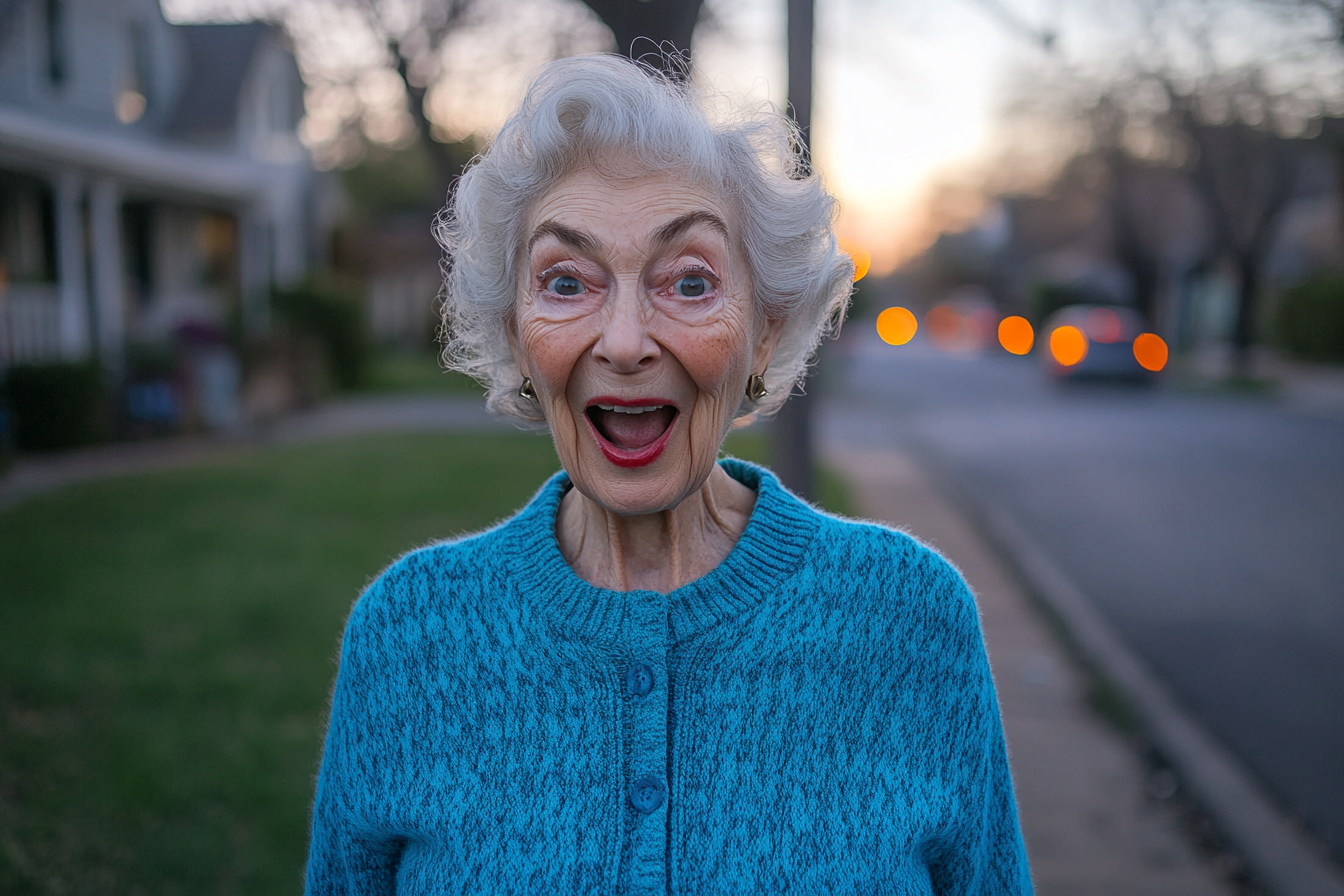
54,406
332,314
150,361
1310,319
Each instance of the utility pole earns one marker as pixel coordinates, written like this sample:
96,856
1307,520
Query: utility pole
791,449
791,446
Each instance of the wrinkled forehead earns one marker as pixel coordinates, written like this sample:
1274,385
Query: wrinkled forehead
621,192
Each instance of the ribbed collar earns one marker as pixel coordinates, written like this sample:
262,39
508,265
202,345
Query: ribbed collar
768,552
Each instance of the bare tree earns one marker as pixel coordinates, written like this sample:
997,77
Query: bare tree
1225,133
1228,107
1138,246
1247,175
413,33
413,40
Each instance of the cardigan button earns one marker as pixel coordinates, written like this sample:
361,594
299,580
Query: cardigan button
647,793
639,679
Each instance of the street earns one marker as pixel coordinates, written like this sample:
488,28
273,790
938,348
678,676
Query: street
1206,527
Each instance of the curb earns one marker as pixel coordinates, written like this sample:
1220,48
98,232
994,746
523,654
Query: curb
1283,858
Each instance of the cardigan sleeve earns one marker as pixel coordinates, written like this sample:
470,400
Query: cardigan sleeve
984,855
347,854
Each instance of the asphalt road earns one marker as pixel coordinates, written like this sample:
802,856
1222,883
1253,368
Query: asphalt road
1208,528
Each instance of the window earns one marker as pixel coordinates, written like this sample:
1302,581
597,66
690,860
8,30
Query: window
54,16
27,230
137,228
134,96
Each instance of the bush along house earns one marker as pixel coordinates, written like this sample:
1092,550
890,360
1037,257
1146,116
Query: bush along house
153,191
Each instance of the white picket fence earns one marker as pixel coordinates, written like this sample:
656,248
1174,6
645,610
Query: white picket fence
30,324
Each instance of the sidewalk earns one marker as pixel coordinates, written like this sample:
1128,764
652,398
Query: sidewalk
1090,825
1301,386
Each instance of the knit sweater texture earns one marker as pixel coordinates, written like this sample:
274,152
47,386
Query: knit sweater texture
816,715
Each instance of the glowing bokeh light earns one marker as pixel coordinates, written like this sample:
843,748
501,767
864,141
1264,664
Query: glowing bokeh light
1068,345
1103,325
862,258
944,325
1150,350
896,326
1016,335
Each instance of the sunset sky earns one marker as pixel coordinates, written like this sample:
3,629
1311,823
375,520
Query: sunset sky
907,93
905,98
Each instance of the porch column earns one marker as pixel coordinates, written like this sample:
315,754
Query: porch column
71,268
289,234
108,281
254,269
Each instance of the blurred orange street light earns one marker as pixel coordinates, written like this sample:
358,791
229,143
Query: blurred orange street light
1016,335
1150,351
1068,345
896,326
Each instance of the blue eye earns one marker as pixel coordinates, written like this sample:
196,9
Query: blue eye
692,286
565,285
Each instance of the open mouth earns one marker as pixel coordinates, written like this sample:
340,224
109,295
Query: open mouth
631,433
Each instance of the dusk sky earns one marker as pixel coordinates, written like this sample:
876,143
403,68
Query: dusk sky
908,95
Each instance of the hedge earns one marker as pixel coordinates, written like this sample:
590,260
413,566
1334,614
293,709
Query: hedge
1310,319
54,406
332,313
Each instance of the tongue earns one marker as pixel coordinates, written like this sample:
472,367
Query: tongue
631,431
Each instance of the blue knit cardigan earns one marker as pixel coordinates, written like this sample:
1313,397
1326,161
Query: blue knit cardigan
814,716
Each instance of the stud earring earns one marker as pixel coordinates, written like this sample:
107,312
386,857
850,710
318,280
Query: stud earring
756,387
526,390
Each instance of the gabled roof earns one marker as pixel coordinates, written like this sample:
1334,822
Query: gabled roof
218,60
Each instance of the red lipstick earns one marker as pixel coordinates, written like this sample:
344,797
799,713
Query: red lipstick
630,457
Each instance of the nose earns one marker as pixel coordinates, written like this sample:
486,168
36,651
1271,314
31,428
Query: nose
625,343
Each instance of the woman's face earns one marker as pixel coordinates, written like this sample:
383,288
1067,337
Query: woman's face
636,324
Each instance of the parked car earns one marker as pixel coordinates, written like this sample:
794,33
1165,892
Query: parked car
1098,342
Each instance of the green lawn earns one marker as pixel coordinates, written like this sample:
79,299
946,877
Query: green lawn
167,645
416,373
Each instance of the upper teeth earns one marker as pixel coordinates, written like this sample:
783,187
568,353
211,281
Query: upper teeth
629,410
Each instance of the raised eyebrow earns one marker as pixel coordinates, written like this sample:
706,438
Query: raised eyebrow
584,242
678,226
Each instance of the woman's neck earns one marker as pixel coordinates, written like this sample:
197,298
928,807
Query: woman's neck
655,551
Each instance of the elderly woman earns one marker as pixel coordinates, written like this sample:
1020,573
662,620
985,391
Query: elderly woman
665,674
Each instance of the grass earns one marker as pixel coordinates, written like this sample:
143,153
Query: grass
416,373
167,645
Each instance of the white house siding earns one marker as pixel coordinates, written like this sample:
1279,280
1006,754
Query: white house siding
96,56
17,46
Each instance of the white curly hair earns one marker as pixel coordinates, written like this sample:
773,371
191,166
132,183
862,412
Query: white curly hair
588,108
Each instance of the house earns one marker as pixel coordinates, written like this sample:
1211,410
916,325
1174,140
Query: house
151,178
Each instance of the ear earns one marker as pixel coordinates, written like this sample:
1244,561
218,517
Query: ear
768,333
